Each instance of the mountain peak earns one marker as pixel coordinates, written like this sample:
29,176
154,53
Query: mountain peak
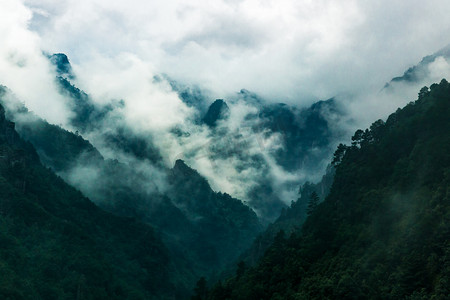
180,165
62,64
219,110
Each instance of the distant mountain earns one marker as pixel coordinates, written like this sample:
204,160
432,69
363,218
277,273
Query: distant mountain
305,139
218,110
62,64
417,73
382,232
291,218
307,134
203,229
56,244
192,96
224,226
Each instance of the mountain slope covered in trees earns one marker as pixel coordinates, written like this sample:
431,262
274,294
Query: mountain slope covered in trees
211,228
203,229
382,232
56,244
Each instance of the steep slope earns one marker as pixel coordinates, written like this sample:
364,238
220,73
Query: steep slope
203,229
383,231
307,133
281,137
290,220
223,226
253,139
56,244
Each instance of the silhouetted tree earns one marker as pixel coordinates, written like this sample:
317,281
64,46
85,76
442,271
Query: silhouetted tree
312,204
423,92
240,269
357,137
339,154
201,290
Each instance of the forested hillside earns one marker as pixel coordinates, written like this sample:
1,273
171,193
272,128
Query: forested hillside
56,244
383,231
203,230
290,219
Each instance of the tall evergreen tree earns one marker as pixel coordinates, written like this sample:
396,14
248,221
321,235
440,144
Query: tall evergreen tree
313,203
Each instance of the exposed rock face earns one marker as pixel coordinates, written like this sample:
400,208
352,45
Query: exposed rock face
217,111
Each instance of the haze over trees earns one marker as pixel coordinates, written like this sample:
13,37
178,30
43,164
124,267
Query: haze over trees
382,232
93,210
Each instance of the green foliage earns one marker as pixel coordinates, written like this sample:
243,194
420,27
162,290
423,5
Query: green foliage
382,233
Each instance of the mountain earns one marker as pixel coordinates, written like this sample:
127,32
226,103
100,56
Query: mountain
306,140
224,226
274,138
192,96
290,219
217,111
122,170
307,133
419,72
62,64
299,140
202,229
382,232
56,244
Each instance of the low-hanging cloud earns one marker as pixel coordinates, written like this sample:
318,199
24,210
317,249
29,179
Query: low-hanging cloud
285,51
23,67
366,108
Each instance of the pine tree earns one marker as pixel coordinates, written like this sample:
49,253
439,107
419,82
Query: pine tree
312,204
201,290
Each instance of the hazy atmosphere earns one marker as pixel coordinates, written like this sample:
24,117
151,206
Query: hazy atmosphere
295,52
285,51
262,149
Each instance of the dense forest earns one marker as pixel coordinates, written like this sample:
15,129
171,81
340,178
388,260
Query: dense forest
56,244
381,233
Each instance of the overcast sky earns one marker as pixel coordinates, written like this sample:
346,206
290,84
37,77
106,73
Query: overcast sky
287,49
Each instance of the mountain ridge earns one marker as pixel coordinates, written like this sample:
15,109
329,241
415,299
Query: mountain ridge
382,232
57,244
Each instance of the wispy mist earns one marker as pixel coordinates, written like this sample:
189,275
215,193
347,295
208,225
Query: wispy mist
284,51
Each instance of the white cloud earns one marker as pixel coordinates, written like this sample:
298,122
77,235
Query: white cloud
23,67
295,50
